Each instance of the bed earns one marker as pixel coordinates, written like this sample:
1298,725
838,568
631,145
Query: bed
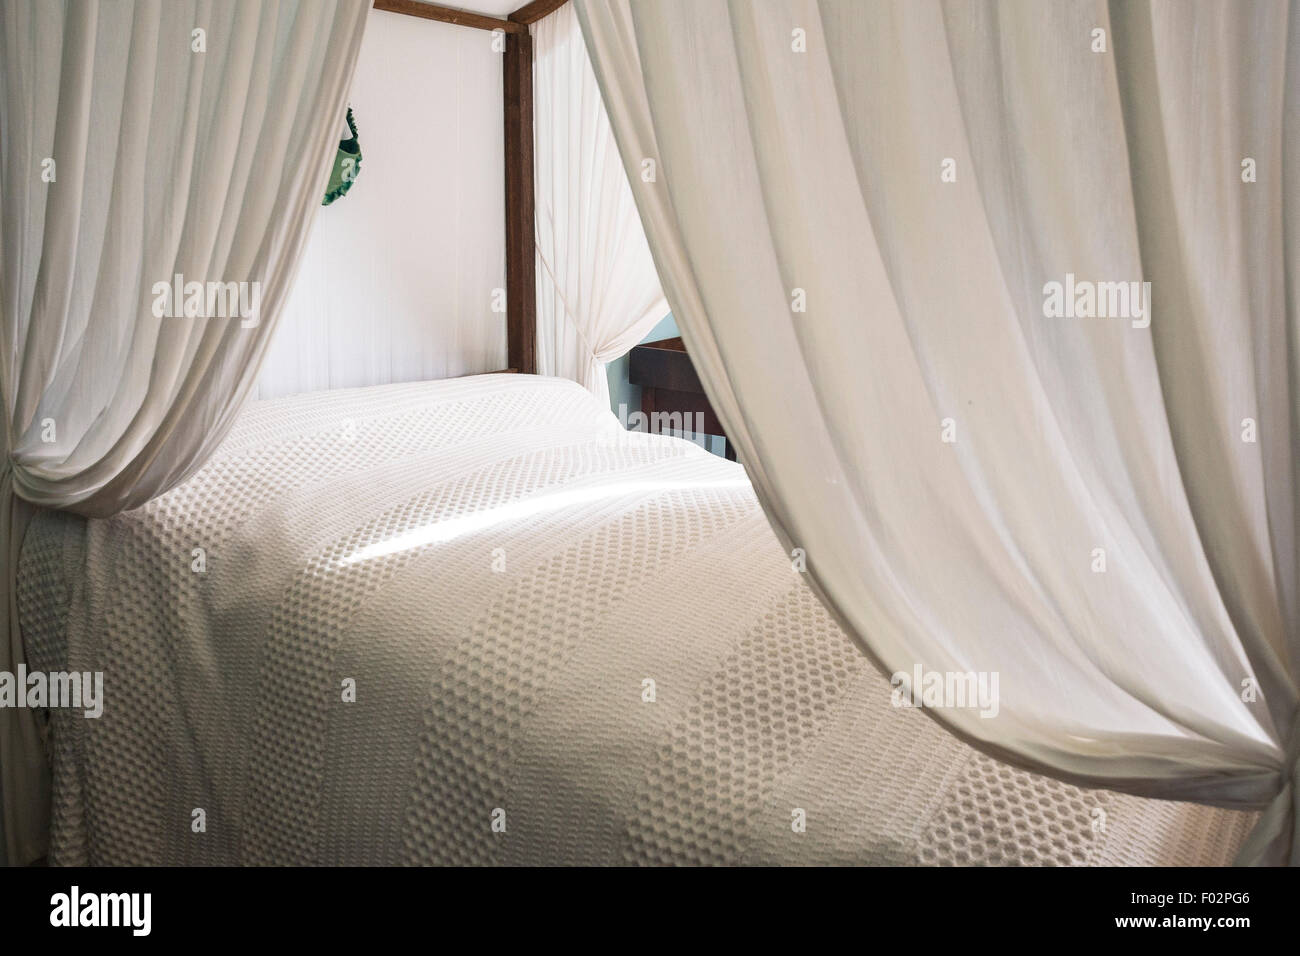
474,622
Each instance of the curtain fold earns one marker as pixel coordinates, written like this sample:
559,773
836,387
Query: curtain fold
906,244
597,290
146,149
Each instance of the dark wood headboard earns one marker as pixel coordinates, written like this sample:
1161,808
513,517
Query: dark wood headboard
521,280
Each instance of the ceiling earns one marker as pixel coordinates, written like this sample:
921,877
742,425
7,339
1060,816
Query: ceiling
493,8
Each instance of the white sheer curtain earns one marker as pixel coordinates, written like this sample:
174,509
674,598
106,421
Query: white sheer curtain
597,290
142,141
859,211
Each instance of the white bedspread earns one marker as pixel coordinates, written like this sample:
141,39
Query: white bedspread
500,569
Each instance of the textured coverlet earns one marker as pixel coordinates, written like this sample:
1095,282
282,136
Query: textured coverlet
568,643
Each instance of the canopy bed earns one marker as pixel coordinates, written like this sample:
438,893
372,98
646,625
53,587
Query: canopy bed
476,621
567,644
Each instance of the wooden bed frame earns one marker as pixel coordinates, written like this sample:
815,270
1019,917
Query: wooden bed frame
521,288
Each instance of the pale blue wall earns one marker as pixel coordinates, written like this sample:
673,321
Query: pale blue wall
620,389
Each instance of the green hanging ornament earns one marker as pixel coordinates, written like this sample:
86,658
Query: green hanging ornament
347,164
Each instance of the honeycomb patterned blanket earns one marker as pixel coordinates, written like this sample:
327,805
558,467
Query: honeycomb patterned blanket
476,622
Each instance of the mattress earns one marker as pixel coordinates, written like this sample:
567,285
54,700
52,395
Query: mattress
477,622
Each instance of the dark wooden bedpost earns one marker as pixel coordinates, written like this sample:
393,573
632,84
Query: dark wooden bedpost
521,282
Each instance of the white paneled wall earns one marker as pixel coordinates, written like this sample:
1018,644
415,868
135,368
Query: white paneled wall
396,282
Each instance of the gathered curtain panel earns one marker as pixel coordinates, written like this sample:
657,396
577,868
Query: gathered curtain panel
160,165
597,290
894,236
